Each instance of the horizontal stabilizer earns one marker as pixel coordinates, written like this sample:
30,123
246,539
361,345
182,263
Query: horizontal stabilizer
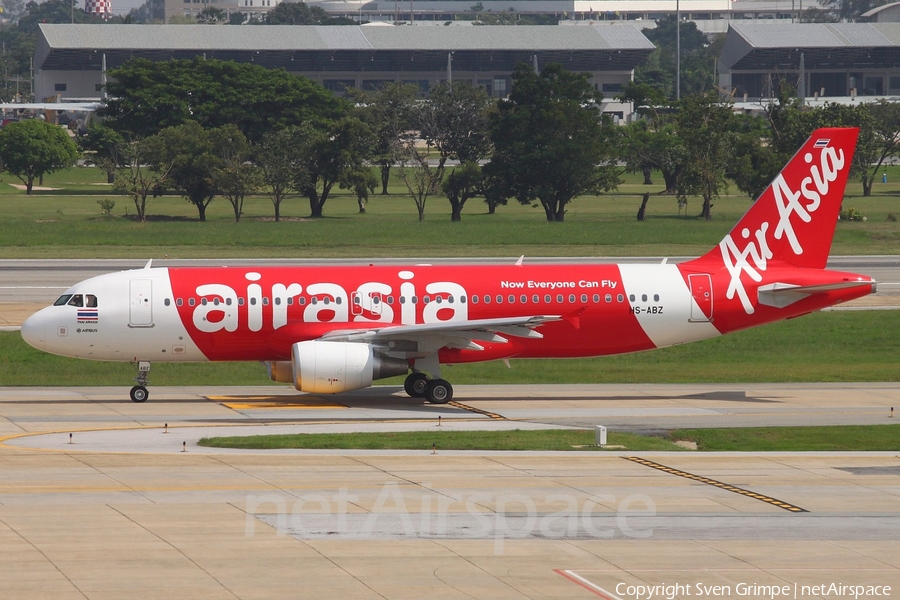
781,294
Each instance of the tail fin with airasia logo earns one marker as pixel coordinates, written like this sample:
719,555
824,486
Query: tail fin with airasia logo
776,255
794,219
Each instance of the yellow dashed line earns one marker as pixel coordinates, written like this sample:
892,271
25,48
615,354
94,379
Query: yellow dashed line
257,402
714,483
456,404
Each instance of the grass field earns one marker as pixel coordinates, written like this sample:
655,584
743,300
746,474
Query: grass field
67,223
756,439
829,346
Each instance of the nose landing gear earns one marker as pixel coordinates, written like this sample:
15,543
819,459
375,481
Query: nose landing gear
139,392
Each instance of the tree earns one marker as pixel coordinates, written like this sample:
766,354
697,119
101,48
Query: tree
234,176
328,152
455,121
190,152
101,146
389,113
211,15
464,182
420,178
148,96
651,143
299,13
277,158
33,148
706,127
697,59
550,143
141,171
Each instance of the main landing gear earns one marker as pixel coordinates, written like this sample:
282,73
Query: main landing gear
139,392
435,391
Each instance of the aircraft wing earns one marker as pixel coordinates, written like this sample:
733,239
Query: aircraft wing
430,337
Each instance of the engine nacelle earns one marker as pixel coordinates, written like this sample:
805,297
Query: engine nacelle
331,367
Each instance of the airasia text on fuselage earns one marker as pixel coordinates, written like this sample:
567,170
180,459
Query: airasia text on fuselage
222,307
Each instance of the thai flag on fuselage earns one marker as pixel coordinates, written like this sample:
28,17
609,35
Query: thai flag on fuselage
821,143
88,314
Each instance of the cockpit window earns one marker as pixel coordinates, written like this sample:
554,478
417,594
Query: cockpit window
77,300
90,301
62,300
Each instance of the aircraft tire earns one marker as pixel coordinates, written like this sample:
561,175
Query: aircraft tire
439,391
416,385
139,394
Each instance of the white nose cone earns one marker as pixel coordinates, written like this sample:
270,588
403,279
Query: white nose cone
33,331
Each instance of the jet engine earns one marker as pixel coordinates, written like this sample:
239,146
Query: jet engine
320,367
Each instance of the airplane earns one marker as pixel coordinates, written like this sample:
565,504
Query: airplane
339,328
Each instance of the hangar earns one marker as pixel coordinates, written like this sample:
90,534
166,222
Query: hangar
68,58
824,60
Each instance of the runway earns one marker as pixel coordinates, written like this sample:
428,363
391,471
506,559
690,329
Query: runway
124,512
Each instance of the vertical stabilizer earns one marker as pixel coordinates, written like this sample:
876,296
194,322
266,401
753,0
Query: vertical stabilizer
794,219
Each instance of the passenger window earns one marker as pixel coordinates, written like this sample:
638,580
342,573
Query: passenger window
487,299
77,300
656,297
326,300
62,300
277,301
178,302
426,299
524,299
204,301
499,299
191,302
252,302
314,300
450,299
265,301
475,299
609,298
462,299
512,299
338,300
414,299
227,301
302,301
216,301
167,302
584,298
536,299
597,299
240,302
559,298
438,299
547,298
643,297
620,298
572,298
402,299
631,297
390,300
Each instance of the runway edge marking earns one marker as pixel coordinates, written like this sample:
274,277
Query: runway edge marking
719,484
586,584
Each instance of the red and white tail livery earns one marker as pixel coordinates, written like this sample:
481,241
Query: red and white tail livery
333,329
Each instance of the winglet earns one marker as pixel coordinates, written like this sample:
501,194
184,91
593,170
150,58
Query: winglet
520,261
149,262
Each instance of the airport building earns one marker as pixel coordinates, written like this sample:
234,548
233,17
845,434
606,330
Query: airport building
838,60
69,58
